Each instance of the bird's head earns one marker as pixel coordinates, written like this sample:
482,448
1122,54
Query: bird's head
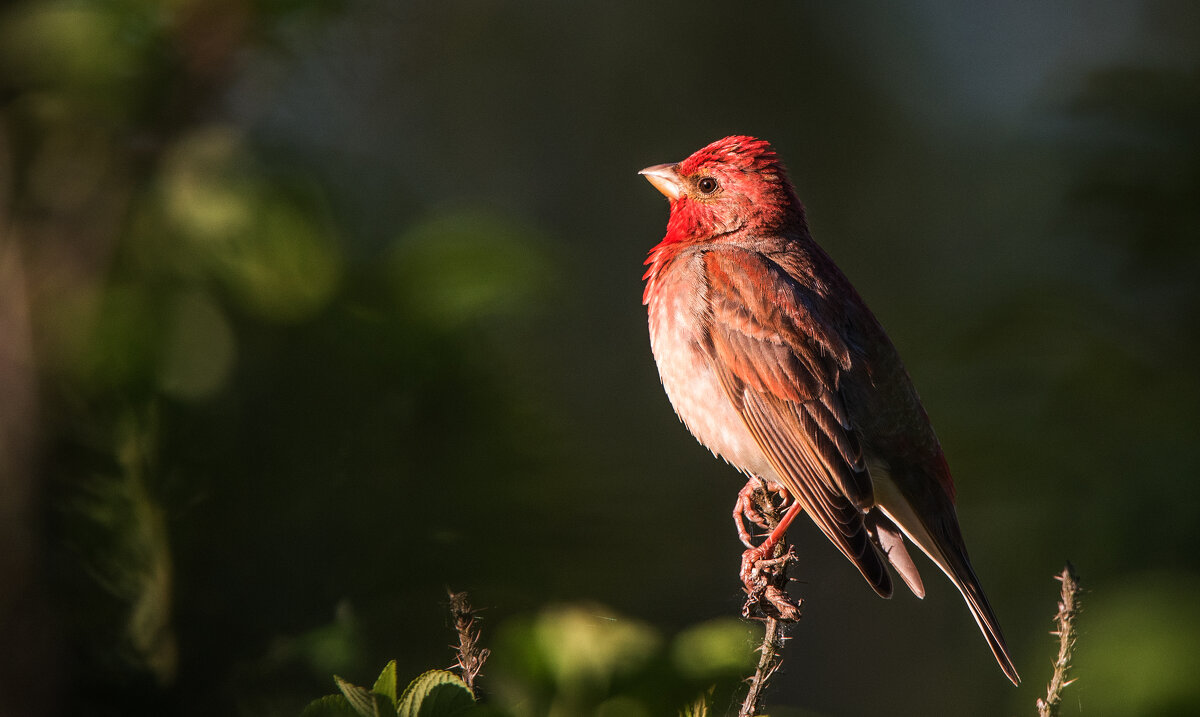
733,187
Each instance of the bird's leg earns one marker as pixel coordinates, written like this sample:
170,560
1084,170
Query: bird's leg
756,490
763,555
764,566
767,547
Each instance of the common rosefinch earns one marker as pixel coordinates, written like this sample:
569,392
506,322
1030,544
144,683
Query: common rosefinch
773,362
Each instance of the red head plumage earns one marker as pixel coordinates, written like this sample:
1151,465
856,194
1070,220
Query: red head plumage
733,185
747,154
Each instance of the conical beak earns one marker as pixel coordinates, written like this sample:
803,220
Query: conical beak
665,179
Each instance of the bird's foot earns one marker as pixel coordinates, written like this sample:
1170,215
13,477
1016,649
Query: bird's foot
765,582
752,500
758,570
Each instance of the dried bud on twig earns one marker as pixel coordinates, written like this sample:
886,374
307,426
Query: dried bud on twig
1068,608
470,655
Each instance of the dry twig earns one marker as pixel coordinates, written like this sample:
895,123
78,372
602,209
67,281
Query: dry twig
1068,608
470,655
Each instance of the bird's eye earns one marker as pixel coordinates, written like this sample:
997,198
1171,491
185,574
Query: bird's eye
707,185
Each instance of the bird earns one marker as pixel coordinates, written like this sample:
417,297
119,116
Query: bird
774,362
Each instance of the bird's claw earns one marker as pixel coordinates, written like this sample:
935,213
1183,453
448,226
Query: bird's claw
758,569
755,492
764,582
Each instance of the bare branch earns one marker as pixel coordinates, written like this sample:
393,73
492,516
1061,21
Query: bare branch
769,659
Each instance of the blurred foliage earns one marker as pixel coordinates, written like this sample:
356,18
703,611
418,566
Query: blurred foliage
575,660
466,267
116,533
330,304
176,270
584,660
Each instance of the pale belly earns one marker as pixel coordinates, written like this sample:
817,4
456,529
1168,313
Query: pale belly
695,391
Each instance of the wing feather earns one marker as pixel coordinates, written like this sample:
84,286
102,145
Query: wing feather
779,362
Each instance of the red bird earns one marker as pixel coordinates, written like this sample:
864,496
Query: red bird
774,362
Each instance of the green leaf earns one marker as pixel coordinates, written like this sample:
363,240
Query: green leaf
365,702
385,684
331,706
436,693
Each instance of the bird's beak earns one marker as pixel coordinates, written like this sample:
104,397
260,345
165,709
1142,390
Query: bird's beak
665,179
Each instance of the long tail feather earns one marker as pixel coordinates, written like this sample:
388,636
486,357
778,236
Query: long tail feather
948,553
963,576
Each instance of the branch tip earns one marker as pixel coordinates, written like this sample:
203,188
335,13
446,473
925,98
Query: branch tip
470,656
1068,610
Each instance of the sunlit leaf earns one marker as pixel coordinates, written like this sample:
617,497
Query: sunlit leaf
385,684
364,702
436,693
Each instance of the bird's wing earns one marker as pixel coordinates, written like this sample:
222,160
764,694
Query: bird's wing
780,360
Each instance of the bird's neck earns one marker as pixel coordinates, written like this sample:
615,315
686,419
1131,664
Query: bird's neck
659,259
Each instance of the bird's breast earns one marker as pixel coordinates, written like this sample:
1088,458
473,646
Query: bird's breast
675,309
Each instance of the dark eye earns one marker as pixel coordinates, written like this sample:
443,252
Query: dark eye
707,185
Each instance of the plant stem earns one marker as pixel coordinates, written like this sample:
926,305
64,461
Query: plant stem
1068,609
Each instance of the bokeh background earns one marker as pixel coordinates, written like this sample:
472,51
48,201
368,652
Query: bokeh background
309,309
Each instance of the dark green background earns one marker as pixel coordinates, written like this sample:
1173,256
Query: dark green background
309,309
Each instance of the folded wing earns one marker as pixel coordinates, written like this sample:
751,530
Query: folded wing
780,362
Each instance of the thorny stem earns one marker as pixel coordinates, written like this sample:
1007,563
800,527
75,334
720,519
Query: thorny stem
470,655
775,629
1068,609
769,659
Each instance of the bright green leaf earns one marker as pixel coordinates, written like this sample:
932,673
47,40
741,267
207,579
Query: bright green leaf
436,693
386,683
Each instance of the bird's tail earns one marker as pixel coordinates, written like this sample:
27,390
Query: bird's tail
958,567
947,550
